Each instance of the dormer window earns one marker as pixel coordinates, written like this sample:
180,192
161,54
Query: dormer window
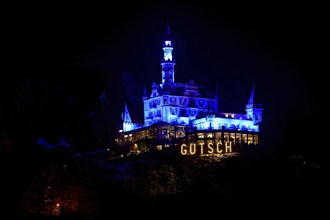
173,101
165,100
183,102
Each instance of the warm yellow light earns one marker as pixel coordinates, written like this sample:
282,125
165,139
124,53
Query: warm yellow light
228,147
183,149
192,148
202,146
218,148
212,148
209,146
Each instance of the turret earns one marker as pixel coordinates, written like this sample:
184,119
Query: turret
167,62
127,121
254,110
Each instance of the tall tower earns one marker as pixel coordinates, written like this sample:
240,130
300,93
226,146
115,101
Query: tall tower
167,62
254,110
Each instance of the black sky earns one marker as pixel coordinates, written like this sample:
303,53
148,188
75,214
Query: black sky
276,45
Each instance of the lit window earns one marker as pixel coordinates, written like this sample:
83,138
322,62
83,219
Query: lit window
165,100
200,135
183,101
209,135
173,111
173,101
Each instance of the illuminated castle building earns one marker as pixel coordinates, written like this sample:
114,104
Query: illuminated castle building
179,114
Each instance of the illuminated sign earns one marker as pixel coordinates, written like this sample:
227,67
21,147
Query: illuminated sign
202,148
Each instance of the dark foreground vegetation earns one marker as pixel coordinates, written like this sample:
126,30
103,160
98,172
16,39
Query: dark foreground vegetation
60,184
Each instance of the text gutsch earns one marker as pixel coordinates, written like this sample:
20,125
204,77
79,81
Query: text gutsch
202,148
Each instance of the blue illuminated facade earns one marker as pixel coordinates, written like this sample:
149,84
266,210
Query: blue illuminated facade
178,112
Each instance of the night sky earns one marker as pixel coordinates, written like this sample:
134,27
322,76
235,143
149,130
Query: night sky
277,46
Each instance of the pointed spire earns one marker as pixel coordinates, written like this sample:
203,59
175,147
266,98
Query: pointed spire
251,100
145,93
254,110
126,116
168,30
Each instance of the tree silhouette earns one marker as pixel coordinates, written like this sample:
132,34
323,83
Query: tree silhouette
63,104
